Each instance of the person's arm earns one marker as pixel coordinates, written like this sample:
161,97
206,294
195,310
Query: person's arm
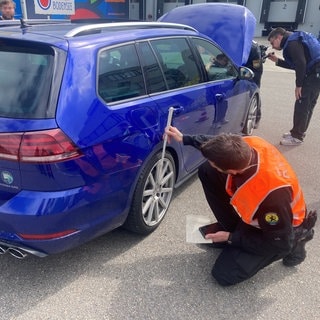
278,61
195,140
188,140
296,51
297,54
210,63
275,220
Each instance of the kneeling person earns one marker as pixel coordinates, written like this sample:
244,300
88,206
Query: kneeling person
258,203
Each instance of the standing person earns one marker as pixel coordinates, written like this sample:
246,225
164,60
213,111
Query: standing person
257,201
301,52
7,8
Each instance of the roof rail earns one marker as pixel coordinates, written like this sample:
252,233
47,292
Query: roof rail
98,27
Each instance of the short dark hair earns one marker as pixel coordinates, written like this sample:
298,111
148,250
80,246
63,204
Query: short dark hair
7,2
227,151
221,56
276,32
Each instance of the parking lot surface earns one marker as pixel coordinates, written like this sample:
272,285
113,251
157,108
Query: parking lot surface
125,276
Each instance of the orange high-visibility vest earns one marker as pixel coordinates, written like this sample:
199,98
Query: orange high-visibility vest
273,172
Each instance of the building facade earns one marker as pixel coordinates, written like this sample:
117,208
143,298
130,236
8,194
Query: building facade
290,14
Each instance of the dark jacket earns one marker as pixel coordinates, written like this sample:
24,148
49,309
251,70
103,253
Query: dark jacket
269,238
297,56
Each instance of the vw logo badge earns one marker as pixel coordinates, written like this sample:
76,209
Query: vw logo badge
6,177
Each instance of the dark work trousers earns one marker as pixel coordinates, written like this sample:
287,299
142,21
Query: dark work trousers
303,108
234,264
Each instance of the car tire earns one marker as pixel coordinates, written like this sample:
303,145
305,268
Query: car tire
152,195
251,118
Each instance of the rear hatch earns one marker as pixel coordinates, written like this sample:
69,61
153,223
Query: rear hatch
30,77
231,26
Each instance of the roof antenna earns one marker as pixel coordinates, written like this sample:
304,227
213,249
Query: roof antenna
23,25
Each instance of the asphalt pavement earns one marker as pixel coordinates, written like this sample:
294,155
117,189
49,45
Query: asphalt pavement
129,277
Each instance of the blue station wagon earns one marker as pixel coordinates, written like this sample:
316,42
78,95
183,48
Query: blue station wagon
83,109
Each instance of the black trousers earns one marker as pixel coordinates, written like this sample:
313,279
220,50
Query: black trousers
234,264
303,108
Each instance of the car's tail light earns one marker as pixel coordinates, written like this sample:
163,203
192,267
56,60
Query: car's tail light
9,146
37,146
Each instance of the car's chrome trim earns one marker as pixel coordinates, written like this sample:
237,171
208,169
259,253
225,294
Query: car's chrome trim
15,249
98,27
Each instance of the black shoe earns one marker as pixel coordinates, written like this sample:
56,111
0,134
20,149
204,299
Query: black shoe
296,256
303,234
310,220
298,253
306,235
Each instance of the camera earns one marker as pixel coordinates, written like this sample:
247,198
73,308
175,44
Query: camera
263,50
264,54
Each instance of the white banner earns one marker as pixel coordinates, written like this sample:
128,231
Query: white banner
48,7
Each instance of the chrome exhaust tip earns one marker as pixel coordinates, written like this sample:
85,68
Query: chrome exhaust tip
17,253
3,249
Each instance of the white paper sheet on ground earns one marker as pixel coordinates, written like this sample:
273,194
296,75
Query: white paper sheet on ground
193,222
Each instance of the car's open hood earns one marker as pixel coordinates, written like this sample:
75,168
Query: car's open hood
231,26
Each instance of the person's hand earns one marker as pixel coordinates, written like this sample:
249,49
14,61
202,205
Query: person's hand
220,236
173,133
208,65
272,57
297,92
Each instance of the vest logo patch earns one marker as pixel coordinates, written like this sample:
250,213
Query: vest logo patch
272,218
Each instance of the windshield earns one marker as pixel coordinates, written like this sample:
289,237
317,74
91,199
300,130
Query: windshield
25,80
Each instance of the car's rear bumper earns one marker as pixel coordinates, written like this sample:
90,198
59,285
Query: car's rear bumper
42,223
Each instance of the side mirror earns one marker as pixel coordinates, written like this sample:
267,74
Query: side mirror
245,73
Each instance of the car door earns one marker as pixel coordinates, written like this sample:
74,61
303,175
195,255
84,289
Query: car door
175,79
225,90
206,101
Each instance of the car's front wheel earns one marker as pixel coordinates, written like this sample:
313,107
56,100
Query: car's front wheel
152,195
251,117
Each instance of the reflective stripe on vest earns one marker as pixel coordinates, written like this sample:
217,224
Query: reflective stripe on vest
264,181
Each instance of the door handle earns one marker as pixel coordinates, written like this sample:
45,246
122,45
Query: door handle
177,109
220,97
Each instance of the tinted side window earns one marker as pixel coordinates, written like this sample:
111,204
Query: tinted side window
177,61
25,81
217,64
154,76
119,74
